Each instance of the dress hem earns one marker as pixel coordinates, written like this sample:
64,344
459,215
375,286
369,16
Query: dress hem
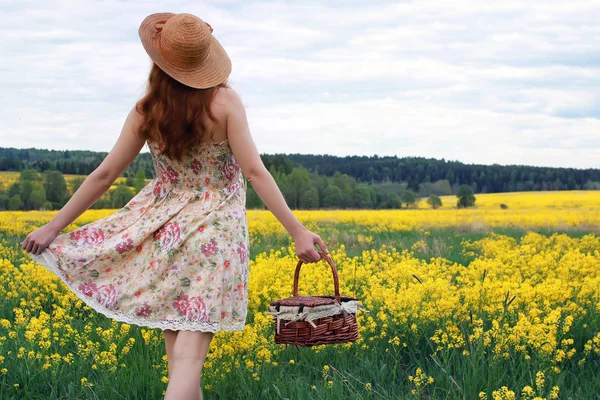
48,260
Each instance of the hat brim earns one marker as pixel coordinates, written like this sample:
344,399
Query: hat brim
214,70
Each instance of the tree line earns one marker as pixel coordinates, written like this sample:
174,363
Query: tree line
414,171
300,188
306,181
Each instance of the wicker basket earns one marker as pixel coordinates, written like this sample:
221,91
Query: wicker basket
314,320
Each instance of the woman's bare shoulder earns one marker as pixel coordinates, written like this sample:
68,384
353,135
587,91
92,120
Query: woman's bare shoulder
227,99
226,104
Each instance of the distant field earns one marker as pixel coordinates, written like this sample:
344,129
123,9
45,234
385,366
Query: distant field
528,200
514,200
7,178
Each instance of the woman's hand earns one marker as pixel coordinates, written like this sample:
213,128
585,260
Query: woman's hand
305,246
39,239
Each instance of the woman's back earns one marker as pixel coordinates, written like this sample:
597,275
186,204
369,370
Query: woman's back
220,106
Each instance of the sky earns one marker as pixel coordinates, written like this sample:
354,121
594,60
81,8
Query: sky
481,81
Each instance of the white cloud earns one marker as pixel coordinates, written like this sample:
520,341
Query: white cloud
391,127
509,82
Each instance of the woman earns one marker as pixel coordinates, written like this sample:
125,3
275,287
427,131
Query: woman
175,256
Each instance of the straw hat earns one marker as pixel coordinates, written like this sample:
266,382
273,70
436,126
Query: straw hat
183,46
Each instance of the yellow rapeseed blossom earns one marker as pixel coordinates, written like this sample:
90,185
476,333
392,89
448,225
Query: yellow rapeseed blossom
539,381
325,371
420,379
528,393
504,393
412,291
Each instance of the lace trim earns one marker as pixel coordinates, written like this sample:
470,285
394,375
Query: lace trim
48,260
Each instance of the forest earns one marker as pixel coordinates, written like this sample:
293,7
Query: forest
45,179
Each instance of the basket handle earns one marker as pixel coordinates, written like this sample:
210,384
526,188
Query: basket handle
336,283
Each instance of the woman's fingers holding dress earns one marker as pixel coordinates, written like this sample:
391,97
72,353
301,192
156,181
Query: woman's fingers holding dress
38,250
30,246
26,244
39,239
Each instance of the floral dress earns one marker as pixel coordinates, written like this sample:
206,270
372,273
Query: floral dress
175,256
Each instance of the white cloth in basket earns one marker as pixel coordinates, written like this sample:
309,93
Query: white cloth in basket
292,313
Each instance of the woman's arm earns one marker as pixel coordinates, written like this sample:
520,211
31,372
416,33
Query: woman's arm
246,153
95,185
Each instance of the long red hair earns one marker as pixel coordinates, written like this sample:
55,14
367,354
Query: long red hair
174,114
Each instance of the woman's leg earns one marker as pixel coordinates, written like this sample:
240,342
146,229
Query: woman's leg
189,353
170,336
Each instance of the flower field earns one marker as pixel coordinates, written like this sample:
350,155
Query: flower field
7,178
482,303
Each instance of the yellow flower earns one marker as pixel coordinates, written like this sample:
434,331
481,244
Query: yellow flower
325,371
291,361
539,381
439,289
329,384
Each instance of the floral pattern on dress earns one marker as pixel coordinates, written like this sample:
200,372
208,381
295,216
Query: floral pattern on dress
192,308
88,236
176,256
168,236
